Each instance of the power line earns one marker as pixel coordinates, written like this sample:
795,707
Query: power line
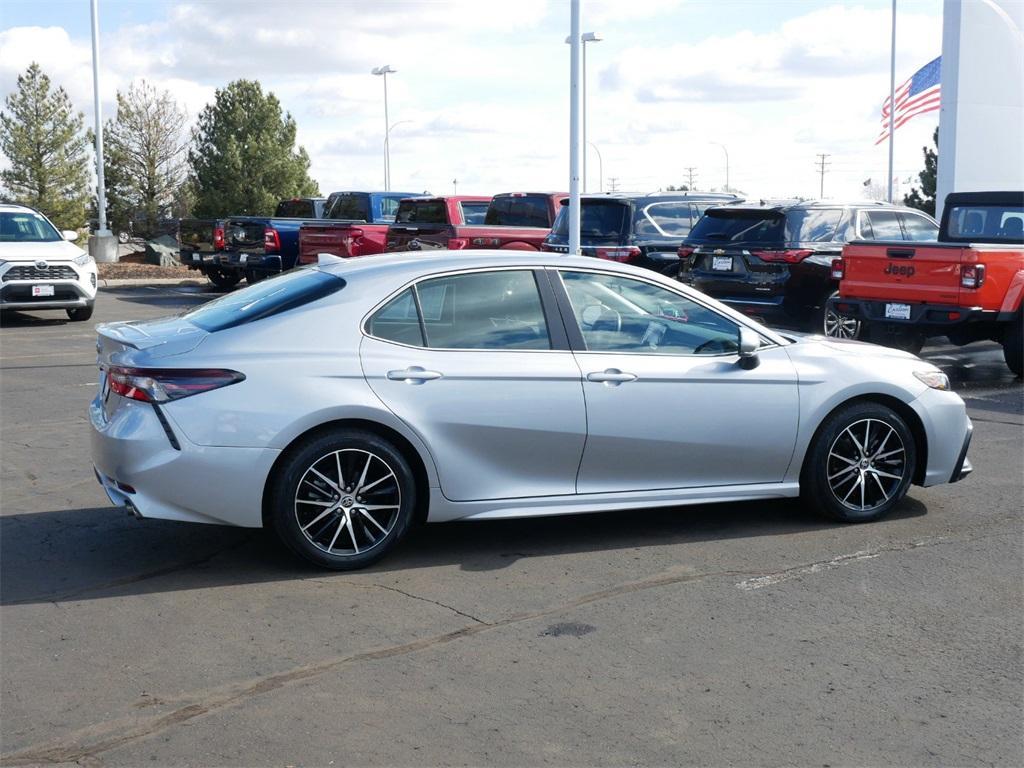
822,165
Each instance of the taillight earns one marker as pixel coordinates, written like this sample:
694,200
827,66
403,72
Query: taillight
685,251
972,275
457,243
838,269
271,240
627,253
788,256
218,238
161,385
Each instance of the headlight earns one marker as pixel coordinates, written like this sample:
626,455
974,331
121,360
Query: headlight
933,379
84,259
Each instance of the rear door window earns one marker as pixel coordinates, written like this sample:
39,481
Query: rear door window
474,212
884,225
812,225
669,219
281,293
918,228
484,310
389,207
398,321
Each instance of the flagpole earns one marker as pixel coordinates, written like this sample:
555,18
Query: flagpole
892,94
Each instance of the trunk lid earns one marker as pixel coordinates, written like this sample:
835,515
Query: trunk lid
244,235
146,342
902,271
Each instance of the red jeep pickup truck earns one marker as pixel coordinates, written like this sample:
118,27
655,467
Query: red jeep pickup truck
967,286
516,221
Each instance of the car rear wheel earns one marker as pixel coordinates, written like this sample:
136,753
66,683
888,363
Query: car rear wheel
1013,346
834,325
223,279
252,276
343,499
79,314
860,464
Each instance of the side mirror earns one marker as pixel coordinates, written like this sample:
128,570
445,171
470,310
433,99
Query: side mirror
749,344
70,235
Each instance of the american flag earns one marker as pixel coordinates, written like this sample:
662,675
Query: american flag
916,96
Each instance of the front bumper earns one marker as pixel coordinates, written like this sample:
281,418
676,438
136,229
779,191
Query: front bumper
139,468
948,430
68,292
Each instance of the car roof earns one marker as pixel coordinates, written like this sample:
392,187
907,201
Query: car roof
16,207
781,206
725,197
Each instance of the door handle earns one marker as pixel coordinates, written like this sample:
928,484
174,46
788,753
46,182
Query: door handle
611,376
414,374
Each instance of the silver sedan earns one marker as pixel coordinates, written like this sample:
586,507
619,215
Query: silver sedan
342,402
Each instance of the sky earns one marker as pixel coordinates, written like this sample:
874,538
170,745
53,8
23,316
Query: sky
481,93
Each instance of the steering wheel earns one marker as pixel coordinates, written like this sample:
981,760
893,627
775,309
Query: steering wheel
714,345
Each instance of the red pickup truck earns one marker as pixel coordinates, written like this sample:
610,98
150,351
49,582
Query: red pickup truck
510,221
967,286
354,224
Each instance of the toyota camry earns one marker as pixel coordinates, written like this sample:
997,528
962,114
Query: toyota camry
342,402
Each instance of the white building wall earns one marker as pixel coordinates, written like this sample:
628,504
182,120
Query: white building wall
981,121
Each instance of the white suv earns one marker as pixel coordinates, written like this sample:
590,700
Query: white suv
40,268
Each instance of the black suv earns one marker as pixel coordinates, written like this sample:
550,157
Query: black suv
774,260
645,230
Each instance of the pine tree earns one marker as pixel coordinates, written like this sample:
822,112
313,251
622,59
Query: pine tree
924,199
244,159
41,135
145,160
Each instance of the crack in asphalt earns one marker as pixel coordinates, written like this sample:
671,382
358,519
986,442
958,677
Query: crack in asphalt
425,600
105,736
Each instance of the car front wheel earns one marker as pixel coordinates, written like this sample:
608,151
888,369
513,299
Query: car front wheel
860,463
343,499
79,314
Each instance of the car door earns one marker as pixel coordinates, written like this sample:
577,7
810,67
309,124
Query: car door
477,363
668,405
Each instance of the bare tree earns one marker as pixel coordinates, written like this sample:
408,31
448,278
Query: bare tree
146,163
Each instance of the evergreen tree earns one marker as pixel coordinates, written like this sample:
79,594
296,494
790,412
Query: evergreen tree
145,160
244,159
924,199
41,135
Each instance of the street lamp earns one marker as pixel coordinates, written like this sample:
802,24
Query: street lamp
387,147
717,144
600,167
384,72
586,37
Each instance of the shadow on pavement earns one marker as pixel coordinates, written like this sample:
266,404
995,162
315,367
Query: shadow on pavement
94,553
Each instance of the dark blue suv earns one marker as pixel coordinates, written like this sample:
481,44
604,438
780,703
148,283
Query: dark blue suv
645,230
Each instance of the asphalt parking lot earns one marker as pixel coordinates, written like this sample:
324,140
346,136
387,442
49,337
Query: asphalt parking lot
741,634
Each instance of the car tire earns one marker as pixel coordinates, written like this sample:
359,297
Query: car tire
842,482
1013,346
833,325
311,510
80,314
123,237
223,279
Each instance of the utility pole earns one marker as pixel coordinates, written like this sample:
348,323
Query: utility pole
613,183
822,165
689,173
455,186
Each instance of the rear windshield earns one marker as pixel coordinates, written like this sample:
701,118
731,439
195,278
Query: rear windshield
598,218
297,209
519,211
987,222
801,225
272,296
422,212
26,227
474,212
350,208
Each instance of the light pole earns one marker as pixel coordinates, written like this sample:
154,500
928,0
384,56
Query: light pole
103,246
384,72
575,108
387,150
586,37
717,144
600,167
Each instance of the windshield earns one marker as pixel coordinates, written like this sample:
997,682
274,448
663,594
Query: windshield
26,227
598,218
987,222
272,296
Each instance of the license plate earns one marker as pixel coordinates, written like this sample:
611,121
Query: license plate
721,263
243,258
196,257
897,311
42,290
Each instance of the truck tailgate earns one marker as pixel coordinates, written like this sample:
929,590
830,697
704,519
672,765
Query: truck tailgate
344,239
907,271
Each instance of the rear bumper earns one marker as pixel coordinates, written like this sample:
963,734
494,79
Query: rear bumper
936,316
137,465
249,262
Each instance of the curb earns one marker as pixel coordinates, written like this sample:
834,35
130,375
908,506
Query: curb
128,281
